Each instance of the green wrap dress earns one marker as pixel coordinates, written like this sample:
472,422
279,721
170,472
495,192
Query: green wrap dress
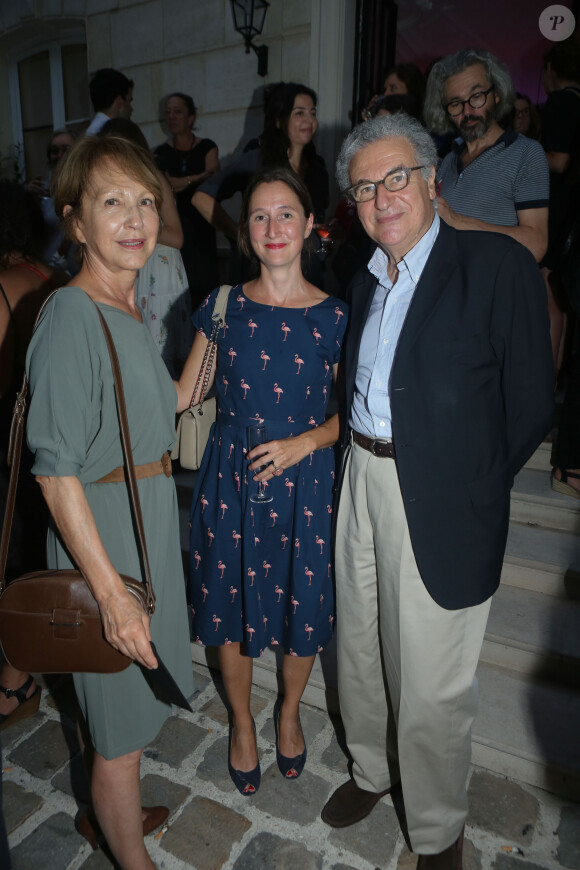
73,430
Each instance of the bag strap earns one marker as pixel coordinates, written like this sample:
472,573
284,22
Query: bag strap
129,464
15,450
218,321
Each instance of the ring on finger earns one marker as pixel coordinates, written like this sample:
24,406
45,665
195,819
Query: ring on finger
278,471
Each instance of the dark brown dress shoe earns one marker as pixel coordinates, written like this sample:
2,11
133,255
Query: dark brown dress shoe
449,859
350,804
88,827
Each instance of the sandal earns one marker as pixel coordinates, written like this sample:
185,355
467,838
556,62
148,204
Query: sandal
26,706
562,485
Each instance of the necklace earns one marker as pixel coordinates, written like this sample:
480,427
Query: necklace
185,157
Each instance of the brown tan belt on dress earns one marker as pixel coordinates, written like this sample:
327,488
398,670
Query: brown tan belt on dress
150,469
376,446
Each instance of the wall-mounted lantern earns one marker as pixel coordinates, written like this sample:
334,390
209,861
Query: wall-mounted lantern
249,16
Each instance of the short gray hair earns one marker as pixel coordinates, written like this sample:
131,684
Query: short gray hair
398,126
434,111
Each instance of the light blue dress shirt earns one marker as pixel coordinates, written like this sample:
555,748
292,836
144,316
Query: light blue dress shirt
371,408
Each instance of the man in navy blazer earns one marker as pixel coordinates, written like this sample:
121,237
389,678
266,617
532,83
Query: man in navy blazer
448,390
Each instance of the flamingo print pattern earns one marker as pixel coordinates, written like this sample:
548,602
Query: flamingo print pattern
266,580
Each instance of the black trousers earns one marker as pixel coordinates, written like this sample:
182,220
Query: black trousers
568,446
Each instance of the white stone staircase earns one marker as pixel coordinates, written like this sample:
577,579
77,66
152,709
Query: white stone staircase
528,725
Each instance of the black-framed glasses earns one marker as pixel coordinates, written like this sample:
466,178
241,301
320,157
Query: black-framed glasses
395,180
476,101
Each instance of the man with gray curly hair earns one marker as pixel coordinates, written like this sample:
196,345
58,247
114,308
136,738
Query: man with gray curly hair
493,179
448,389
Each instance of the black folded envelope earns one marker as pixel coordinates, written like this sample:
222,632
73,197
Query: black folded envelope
163,685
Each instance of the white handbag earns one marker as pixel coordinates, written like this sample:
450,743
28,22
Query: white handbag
195,423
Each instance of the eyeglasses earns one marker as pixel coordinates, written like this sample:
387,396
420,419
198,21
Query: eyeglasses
395,180
476,101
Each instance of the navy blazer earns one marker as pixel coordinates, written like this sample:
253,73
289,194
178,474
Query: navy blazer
471,393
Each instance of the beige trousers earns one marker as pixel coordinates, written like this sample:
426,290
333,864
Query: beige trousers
406,666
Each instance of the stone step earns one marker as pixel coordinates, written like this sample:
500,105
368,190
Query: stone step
542,560
541,460
528,728
534,501
535,634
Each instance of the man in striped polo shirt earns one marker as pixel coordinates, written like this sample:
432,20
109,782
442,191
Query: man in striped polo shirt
493,179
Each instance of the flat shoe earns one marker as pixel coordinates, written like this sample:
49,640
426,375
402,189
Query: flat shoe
290,768
26,706
88,827
350,804
247,782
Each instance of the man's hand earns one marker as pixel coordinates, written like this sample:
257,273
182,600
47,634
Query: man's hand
446,213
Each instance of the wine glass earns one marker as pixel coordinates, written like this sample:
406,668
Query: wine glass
256,436
323,232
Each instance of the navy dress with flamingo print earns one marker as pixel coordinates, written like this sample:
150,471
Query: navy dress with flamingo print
261,573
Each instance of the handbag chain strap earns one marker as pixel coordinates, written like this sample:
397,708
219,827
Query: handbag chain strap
219,319
15,450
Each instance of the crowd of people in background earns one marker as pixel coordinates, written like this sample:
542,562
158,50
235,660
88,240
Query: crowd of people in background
538,182
480,168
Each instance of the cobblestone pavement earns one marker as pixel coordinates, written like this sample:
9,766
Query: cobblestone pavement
212,827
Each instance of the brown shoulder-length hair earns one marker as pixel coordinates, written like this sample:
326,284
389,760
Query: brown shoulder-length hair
269,176
73,174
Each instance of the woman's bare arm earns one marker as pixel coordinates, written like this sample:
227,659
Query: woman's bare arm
171,232
210,209
6,348
212,165
188,380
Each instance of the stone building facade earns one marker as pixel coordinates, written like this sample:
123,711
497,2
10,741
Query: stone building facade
48,48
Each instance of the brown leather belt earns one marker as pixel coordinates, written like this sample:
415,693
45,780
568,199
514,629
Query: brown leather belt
150,469
384,449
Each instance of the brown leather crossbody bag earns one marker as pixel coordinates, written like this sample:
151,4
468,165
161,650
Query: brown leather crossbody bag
49,620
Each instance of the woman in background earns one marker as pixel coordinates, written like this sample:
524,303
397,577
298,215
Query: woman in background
290,125
187,161
403,78
526,118
58,250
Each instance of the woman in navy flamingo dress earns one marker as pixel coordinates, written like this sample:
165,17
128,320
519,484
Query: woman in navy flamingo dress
260,574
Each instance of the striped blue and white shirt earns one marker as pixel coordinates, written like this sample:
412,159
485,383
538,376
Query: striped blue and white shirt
509,176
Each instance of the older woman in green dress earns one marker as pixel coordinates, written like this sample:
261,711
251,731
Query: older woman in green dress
108,194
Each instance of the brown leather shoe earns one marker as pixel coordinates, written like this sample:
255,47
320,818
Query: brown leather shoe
88,827
350,804
450,859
